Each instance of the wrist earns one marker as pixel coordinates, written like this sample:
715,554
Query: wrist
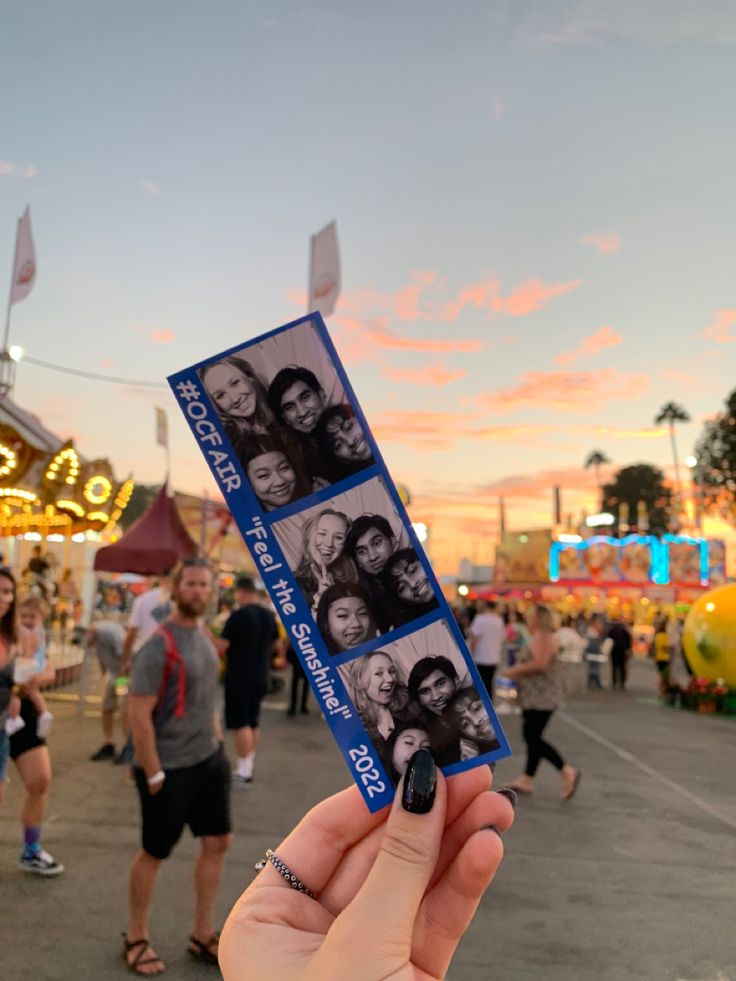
158,777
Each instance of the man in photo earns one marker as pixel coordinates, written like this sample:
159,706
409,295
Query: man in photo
485,640
181,771
408,586
433,682
247,640
370,543
297,401
342,441
467,714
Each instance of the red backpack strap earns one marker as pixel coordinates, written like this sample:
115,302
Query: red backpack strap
173,657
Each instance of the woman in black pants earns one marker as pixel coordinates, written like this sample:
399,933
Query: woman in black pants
538,676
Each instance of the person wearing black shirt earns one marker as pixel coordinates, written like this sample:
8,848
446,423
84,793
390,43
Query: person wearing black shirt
620,634
249,633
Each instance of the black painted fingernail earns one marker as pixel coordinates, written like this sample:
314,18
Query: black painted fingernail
493,767
492,827
420,782
510,794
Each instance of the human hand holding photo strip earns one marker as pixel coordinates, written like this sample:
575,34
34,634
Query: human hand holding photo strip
332,894
281,429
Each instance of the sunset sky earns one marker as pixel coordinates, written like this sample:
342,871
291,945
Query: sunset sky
535,205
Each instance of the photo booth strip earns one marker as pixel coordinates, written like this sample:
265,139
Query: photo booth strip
307,342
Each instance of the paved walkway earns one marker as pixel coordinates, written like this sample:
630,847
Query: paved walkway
634,879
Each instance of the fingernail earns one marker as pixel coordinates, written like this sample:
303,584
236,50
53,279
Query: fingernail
493,767
510,794
492,827
420,781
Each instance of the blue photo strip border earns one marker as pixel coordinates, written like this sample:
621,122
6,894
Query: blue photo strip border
255,526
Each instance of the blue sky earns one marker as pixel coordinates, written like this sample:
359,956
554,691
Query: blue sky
568,165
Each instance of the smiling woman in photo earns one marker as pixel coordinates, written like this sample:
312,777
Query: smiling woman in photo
239,396
344,617
272,475
324,561
380,695
404,742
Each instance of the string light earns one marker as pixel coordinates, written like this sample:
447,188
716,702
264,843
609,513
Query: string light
9,461
97,489
71,506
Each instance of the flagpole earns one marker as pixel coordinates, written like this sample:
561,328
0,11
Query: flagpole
310,271
10,291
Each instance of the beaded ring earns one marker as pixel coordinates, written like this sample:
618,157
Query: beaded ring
285,871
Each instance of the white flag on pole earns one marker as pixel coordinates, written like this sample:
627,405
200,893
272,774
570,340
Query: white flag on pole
324,271
162,427
24,271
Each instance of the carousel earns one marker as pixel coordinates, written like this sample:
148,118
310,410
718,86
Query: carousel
51,494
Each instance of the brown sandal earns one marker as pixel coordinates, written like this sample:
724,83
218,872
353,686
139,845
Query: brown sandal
140,960
203,952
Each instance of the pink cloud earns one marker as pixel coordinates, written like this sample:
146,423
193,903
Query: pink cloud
479,296
529,297
435,376
384,337
359,341
107,362
163,335
422,298
442,430
567,391
720,329
532,296
610,242
603,338
407,300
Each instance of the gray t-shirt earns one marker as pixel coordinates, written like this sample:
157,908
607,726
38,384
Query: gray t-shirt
190,739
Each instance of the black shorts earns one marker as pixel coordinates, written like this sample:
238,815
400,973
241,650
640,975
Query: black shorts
198,796
27,737
242,704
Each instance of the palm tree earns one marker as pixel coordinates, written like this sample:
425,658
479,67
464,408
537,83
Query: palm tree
596,459
671,413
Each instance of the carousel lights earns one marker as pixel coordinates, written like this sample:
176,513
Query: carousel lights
98,516
22,495
66,457
71,506
97,489
9,460
123,495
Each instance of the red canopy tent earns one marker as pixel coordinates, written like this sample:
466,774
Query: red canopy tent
153,544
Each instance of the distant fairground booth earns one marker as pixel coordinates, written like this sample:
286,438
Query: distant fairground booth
47,488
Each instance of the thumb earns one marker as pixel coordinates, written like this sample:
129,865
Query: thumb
386,906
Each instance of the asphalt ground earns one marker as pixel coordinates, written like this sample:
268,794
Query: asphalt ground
633,879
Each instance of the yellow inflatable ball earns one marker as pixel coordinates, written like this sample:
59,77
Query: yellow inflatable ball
709,635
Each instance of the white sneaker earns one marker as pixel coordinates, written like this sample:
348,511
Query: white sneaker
41,864
44,723
14,725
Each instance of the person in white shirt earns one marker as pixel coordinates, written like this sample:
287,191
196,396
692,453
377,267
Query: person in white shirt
486,642
571,645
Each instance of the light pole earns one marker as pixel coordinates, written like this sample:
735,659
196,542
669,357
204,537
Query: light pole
691,462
